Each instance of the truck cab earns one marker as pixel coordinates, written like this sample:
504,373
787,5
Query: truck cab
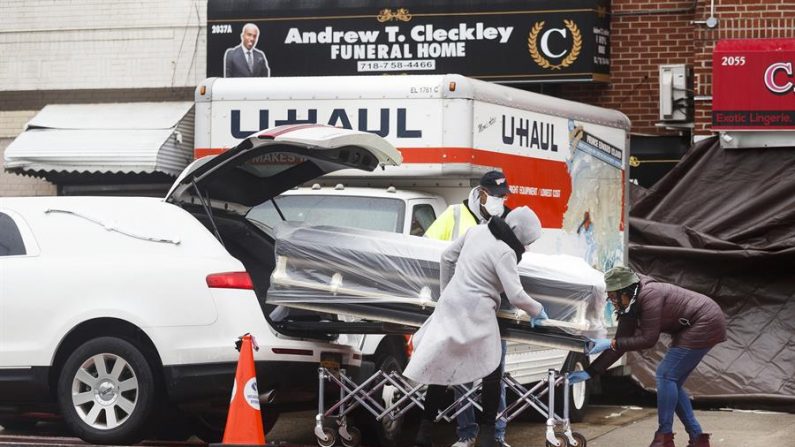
382,209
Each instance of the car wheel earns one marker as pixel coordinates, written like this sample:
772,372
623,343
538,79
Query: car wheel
385,433
106,392
580,393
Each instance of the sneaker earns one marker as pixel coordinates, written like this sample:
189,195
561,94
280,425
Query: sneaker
469,442
502,443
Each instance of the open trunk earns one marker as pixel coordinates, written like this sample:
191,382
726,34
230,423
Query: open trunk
221,190
255,249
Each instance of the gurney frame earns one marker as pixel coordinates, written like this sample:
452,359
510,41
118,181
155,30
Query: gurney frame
411,395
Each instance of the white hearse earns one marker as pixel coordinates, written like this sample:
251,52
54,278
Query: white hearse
113,309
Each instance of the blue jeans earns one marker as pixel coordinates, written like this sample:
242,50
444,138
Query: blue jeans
672,372
468,425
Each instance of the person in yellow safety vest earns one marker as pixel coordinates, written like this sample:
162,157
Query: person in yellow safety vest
485,200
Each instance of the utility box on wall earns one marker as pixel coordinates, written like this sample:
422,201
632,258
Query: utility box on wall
675,93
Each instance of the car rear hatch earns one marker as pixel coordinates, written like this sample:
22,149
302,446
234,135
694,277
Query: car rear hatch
274,160
221,190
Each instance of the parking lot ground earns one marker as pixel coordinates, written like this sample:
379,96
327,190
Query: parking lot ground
604,426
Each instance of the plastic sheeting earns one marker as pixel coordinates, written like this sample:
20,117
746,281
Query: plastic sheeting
722,223
340,265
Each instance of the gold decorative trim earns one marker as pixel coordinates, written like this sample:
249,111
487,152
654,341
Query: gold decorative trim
538,58
386,15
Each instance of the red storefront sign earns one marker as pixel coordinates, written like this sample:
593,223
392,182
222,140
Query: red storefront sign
753,84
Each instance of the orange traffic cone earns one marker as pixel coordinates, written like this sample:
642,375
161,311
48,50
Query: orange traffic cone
244,421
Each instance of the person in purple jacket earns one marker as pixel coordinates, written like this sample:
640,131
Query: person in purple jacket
646,308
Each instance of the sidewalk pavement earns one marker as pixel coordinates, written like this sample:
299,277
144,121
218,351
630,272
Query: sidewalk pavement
604,426
634,426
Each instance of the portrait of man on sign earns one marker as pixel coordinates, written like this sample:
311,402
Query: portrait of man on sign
245,60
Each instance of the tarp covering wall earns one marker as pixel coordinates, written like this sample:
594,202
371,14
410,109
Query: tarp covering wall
722,223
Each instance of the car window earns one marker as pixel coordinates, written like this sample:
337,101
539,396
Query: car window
369,213
421,218
10,239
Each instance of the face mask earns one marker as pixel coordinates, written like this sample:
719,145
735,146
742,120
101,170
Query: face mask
494,205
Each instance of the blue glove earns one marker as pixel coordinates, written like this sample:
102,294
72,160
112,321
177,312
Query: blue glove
578,376
541,317
600,344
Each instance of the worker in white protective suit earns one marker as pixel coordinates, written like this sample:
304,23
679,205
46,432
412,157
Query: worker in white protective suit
460,341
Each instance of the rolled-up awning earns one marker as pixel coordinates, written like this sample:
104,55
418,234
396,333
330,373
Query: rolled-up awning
124,138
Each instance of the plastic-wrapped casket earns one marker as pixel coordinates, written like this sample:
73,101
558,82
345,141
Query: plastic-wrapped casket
394,278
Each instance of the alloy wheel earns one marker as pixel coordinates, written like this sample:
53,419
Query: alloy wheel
105,391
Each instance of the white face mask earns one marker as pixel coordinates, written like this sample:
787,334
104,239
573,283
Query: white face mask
494,205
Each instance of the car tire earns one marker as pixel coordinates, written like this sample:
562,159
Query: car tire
386,433
580,393
107,392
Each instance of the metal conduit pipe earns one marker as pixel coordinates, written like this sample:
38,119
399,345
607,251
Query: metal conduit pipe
648,12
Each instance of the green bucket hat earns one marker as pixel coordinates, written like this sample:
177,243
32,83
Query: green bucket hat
619,277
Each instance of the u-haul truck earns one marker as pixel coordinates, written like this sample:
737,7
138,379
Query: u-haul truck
565,160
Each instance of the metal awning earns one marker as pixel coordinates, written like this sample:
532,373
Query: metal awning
144,137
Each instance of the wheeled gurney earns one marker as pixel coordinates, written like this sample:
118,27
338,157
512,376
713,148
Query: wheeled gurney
394,279
407,395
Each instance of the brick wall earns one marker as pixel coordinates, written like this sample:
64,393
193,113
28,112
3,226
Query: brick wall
100,44
93,51
644,34
649,33
738,19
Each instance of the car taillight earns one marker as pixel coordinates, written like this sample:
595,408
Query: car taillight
230,280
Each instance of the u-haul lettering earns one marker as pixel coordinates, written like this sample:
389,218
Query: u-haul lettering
389,122
524,133
528,133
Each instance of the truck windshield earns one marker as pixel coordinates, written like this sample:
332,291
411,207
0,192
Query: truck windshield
369,213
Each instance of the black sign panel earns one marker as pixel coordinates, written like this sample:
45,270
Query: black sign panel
497,40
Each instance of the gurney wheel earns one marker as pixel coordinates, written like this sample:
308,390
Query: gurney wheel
562,441
356,437
580,439
331,438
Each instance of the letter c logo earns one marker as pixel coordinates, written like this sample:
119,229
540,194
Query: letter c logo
770,77
545,42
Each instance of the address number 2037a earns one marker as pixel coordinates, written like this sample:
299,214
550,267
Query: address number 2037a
222,29
732,61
